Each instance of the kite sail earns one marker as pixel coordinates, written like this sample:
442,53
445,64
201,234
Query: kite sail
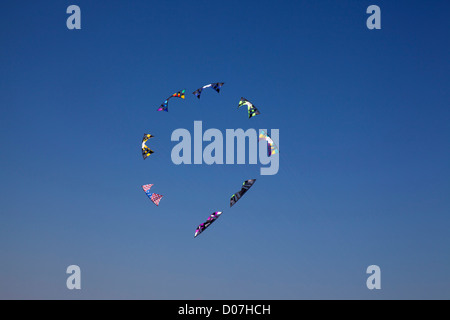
252,111
245,186
156,198
216,86
146,151
271,146
208,222
165,105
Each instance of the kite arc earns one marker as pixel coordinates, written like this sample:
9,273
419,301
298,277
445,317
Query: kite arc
266,151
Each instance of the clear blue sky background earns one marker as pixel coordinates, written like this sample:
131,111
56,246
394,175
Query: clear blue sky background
364,174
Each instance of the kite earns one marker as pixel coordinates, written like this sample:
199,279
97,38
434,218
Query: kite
146,151
216,86
245,186
252,111
165,105
156,198
271,146
208,222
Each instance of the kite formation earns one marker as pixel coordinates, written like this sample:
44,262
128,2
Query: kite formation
252,111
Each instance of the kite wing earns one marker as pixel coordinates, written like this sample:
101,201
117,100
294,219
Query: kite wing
216,86
243,102
245,186
198,92
165,105
147,187
146,151
156,198
213,217
234,198
271,146
179,94
252,111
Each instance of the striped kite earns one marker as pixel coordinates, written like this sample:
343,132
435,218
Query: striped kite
213,217
271,146
245,186
252,111
156,198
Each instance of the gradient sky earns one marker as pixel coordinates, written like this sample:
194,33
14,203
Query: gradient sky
364,124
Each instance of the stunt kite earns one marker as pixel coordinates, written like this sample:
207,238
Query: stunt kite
165,105
252,111
208,222
216,86
271,146
156,198
245,186
146,151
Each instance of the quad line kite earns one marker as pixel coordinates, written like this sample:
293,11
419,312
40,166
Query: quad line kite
252,111
213,217
146,151
245,186
165,105
216,86
156,198
271,146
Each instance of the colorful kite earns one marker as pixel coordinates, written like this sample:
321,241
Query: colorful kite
156,198
216,86
165,105
146,150
245,186
271,146
252,111
208,222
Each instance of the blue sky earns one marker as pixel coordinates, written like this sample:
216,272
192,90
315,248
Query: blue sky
364,150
